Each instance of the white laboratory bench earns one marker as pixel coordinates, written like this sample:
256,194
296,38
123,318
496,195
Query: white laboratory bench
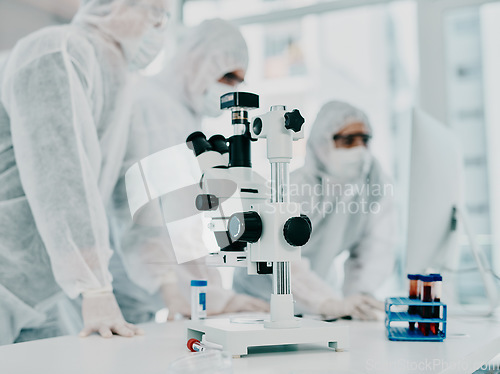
470,344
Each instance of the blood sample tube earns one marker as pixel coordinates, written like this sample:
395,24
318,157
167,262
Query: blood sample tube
436,310
427,282
419,294
413,294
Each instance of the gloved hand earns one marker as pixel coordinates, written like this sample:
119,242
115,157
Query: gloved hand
361,307
245,303
102,314
174,301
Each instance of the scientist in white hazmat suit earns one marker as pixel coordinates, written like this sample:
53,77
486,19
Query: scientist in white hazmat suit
212,60
64,100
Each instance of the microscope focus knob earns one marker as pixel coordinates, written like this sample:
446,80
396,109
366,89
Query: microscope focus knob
206,202
297,230
245,227
294,120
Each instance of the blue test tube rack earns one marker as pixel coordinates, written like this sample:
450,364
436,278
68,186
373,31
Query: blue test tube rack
403,333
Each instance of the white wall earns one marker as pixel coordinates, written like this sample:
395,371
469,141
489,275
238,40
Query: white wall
490,16
19,18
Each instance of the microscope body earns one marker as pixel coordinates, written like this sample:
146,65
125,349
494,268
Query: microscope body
256,226
254,222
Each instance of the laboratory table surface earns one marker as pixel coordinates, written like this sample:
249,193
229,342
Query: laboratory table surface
470,344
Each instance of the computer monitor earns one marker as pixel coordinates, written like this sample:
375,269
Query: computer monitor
436,208
436,190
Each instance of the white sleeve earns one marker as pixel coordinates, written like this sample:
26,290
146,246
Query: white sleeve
57,152
146,251
371,261
308,289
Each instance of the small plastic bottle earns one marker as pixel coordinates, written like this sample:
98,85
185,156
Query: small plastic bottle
436,310
414,295
198,299
427,282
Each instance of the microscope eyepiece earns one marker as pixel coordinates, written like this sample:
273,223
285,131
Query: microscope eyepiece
198,142
219,144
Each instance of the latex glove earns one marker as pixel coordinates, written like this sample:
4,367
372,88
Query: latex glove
245,303
102,314
174,301
361,307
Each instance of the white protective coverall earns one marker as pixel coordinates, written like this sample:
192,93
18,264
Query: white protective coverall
64,103
168,108
368,236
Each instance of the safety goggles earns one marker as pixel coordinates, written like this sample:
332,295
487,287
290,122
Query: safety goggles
349,140
231,79
160,18
158,15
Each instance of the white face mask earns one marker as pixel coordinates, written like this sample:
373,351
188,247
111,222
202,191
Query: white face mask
349,164
141,54
211,99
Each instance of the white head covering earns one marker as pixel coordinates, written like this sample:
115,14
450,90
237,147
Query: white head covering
123,21
207,52
333,117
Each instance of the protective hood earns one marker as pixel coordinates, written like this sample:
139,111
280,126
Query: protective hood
206,53
125,22
333,117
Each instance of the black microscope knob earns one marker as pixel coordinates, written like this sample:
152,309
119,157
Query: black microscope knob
257,126
297,231
294,120
206,202
308,220
245,227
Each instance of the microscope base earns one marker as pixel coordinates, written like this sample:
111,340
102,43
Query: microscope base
237,337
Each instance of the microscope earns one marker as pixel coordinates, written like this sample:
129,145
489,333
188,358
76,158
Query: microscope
255,225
